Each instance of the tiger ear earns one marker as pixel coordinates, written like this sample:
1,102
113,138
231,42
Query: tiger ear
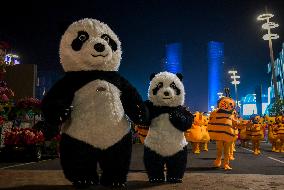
152,75
179,75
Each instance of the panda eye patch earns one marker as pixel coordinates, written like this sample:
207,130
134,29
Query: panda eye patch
78,42
173,86
106,38
110,41
157,88
160,85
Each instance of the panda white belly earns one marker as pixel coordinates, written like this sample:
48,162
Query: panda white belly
163,137
98,116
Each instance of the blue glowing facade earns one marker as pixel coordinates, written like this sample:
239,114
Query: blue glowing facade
249,105
173,58
279,68
215,72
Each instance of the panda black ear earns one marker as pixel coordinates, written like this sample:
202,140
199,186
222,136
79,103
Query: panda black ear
152,75
179,75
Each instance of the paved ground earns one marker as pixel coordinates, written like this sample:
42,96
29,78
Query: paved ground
268,163
54,180
249,172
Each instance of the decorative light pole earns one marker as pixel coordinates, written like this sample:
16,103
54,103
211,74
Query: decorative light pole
269,37
235,82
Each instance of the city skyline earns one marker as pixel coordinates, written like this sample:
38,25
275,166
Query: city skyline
145,27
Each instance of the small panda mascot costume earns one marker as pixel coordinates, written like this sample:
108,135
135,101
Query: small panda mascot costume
94,104
165,143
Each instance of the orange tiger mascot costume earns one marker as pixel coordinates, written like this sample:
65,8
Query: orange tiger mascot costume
243,130
272,133
205,134
257,134
221,128
280,134
194,134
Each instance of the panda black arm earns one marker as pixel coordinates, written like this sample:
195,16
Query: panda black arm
181,118
56,103
149,109
132,103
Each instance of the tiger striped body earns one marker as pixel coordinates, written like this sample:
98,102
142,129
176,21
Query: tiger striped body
220,126
257,132
280,131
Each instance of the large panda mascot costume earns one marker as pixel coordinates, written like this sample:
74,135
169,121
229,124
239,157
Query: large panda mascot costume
165,143
95,106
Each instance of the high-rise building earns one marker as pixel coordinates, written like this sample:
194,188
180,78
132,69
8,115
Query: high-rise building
173,63
215,72
279,68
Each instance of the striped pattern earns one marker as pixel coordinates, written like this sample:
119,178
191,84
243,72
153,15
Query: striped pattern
220,126
272,133
249,132
280,131
256,132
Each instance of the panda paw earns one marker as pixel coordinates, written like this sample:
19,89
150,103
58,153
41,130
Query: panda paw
181,119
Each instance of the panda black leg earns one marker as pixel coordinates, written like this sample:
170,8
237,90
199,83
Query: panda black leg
176,166
115,162
154,165
79,162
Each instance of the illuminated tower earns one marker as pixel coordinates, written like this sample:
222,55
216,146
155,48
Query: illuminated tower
215,72
172,63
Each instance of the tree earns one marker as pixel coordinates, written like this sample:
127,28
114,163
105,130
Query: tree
277,108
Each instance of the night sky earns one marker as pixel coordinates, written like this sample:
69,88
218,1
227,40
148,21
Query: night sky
144,27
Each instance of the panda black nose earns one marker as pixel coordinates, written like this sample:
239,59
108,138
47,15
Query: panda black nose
166,93
99,47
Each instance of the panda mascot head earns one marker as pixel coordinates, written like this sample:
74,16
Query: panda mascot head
89,44
166,89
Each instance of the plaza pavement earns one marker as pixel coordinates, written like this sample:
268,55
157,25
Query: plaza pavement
54,180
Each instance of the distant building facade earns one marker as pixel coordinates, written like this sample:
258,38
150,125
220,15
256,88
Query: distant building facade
173,59
249,105
215,72
279,68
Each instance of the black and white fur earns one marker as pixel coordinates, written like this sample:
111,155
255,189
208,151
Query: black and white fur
165,143
94,104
